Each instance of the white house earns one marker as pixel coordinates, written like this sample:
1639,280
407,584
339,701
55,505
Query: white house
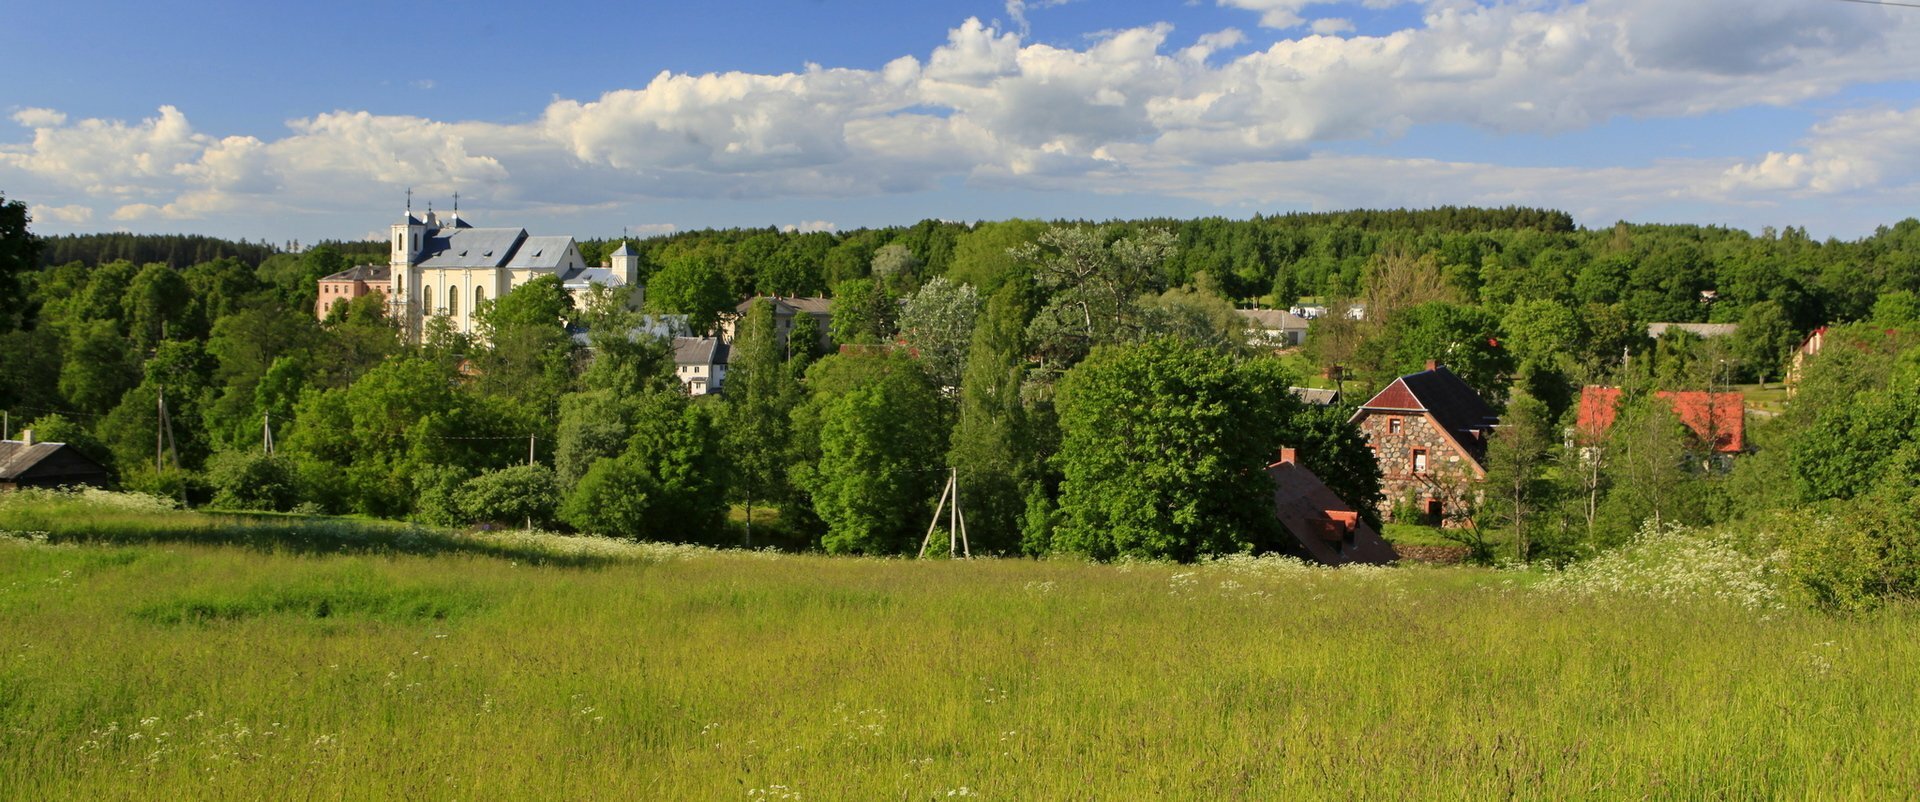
447,267
1273,328
700,363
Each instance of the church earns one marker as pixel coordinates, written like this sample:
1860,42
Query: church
448,267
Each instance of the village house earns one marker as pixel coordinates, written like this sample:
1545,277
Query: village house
1324,527
700,363
1718,419
1315,396
784,310
445,267
351,283
1705,331
1428,430
1273,328
29,463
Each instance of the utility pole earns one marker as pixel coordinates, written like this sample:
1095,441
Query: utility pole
530,450
266,432
957,545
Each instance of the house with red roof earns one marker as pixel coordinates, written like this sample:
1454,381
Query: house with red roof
1428,430
1716,418
1325,528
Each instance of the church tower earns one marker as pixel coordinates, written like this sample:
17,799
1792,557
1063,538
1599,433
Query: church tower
409,236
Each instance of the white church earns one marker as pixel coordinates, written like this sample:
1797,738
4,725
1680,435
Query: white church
449,267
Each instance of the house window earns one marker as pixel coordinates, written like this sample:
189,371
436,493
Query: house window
1393,426
1419,460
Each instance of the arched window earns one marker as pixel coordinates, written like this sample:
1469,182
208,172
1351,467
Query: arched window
453,303
426,300
479,297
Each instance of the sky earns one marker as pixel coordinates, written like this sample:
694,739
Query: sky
300,122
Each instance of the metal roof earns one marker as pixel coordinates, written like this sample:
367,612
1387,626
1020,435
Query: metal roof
699,351
541,253
594,275
363,273
470,247
1274,319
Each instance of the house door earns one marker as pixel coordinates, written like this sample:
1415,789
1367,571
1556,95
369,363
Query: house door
1434,511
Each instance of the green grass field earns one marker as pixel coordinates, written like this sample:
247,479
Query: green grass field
168,666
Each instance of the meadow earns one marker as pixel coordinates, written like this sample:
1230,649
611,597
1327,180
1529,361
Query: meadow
147,653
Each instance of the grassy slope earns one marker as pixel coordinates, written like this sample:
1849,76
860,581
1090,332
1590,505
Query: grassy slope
681,674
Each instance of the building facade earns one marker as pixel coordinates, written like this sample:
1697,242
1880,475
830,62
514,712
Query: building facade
445,267
352,283
1428,431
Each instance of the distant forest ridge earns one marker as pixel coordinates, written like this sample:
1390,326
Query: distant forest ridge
181,251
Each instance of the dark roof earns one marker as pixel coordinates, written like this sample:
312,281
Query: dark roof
1315,396
47,465
363,273
1324,528
699,351
1436,391
813,306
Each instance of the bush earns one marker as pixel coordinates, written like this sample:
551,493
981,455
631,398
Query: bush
1855,556
252,480
615,499
523,494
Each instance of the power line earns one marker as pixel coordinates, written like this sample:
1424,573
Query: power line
1881,3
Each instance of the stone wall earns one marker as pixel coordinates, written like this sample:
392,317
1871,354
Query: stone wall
1449,474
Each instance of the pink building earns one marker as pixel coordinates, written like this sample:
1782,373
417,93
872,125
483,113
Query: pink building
350,284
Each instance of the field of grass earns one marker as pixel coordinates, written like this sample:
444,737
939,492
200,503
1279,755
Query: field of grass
232,668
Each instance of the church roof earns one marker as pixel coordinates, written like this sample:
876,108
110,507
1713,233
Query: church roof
594,275
540,253
625,250
470,247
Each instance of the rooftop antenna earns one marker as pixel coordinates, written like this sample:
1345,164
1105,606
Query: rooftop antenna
409,200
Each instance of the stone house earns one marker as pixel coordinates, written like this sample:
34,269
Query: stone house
1324,527
1428,430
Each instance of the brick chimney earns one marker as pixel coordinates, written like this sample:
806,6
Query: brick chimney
1432,364
26,436
1286,456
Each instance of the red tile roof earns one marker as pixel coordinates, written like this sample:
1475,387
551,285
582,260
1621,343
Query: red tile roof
1324,528
1719,418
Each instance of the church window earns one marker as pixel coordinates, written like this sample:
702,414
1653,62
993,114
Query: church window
453,303
479,297
426,299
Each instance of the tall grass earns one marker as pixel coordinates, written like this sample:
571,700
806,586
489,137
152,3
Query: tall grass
186,670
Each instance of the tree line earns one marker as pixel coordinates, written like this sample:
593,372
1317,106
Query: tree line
1090,384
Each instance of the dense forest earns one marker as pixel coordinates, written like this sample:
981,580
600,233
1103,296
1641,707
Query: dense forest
1089,383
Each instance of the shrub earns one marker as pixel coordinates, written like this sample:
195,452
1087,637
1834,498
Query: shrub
1676,563
1852,557
521,494
252,480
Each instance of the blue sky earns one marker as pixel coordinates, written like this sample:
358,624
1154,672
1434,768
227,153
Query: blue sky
299,122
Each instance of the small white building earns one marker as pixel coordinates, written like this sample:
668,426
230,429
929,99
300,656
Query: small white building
1273,328
700,363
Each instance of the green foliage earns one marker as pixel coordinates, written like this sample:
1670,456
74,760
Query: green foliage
879,455
993,447
252,480
937,325
19,254
1092,280
1163,450
521,494
691,286
671,472
1518,491
863,312
616,497
1463,338
760,393
1855,557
